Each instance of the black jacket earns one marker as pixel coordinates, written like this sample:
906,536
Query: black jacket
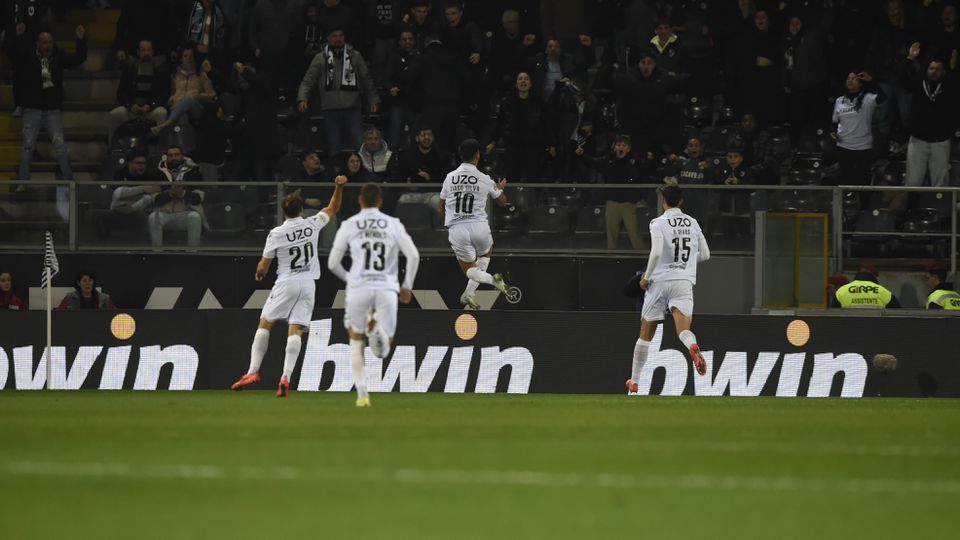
439,78
621,171
405,165
134,89
931,120
399,74
521,121
642,101
28,66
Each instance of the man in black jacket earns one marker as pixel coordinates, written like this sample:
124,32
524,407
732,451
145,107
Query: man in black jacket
422,163
144,87
932,119
642,107
41,68
396,79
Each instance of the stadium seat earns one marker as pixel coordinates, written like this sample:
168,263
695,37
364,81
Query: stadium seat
225,218
876,220
414,216
182,134
309,134
525,199
508,221
890,174
940,201
553,221
727,117
697,112
110,165
591,221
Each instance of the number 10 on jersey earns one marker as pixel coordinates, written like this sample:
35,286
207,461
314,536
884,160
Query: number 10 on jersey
464,203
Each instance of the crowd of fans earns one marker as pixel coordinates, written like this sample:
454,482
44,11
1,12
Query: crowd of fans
753,92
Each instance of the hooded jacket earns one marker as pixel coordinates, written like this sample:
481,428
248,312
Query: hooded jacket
375,162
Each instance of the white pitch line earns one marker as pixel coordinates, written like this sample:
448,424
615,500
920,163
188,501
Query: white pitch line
489,477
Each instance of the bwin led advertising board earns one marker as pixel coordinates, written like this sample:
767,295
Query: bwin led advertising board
485,352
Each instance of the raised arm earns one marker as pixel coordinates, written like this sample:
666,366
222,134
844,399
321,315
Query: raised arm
502,197
335,258
337,198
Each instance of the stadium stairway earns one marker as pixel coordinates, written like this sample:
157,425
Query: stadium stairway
89,93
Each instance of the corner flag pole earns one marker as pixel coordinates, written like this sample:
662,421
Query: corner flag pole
49,328
51,266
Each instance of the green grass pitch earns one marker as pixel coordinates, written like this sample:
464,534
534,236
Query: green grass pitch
218,464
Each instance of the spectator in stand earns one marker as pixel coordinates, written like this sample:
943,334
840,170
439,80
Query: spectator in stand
86,296
339,74
573,110
622,167
641,97
510,50
8,300
932,119
134,199
23,19
440,83
343,15
192,88
141,21
853,113
176,167
423,21
692,168
945,42
804,73
834,282
40,68
422,163
553,68
696,20
382,21
397,81
758,83
667,49
350,165
523,124
207,29
757,149
311,170
942,294
258,145
374,152
143,90
271,28
461,36
310,40
889,46
177,209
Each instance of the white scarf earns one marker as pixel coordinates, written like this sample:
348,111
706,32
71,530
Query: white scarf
348,76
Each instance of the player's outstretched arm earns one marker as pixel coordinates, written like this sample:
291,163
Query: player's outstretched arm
502,199
409,251
337,199
704,248
262,268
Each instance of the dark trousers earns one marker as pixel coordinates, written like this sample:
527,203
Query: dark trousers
854,170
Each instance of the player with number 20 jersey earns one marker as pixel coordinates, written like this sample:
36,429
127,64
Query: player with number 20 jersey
294,245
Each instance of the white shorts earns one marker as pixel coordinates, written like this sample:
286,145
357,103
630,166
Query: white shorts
661,295
290,301
360,301
470,240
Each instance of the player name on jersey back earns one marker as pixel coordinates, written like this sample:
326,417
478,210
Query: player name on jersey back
294,245
680,250
465,192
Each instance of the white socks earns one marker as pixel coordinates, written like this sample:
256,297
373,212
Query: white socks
482,264
688,339
356,366
480,276
259,348
293,352
639,358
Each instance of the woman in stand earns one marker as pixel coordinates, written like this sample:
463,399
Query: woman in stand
853,114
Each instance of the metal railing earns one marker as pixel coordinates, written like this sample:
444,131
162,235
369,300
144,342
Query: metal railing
541,218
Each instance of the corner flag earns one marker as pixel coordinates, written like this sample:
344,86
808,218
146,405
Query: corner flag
49,261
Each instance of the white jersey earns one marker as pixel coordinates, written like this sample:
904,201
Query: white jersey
681,246
373,240
465,192
294,245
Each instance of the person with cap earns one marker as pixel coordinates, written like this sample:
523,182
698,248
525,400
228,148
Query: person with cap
641,98
864,292
834,282
340,75
942,294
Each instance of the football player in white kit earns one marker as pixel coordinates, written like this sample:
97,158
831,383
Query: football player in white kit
373,240
677,244
463,204
294,244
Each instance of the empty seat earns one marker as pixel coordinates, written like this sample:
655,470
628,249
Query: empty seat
942,201
508,221
414,216
550,221
876,220
226,218
591,220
